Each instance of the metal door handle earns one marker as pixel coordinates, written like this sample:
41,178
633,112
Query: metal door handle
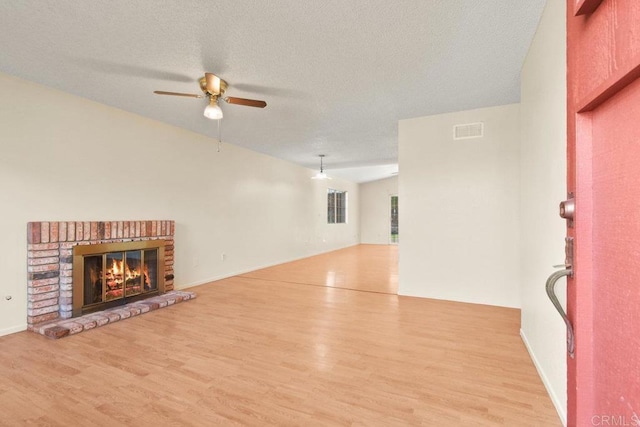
550,287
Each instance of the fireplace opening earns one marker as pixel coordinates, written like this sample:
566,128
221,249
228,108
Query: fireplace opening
111,274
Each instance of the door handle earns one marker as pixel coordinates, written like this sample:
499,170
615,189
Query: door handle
550,287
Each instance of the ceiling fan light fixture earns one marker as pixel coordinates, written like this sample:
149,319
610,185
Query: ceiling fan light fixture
213,110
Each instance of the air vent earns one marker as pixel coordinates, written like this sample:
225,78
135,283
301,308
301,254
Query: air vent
469,130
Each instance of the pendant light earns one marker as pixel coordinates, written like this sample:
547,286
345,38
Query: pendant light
321,174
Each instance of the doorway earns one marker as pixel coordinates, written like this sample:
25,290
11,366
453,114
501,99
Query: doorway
394,237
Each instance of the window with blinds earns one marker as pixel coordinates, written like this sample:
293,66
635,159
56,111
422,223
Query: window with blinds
336,206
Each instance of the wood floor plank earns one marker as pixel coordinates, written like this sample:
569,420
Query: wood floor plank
257,350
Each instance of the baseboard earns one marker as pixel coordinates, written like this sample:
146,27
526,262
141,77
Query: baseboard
13,329
249,270
554,398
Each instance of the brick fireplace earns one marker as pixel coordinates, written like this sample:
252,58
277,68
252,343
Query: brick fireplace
50,260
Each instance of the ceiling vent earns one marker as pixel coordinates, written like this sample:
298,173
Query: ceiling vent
468,131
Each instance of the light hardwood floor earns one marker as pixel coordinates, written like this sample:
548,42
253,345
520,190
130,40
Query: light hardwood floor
371,268
250,351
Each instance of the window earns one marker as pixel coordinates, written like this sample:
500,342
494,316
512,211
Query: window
336,206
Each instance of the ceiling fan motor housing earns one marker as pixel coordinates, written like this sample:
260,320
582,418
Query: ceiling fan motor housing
203,87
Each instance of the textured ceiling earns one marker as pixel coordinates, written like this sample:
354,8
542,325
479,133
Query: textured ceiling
337,75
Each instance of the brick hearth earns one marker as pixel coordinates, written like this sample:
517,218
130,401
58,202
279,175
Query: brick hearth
50,259
63,328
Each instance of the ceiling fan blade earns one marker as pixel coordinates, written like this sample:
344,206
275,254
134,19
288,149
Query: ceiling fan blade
188,95
247,102
213,83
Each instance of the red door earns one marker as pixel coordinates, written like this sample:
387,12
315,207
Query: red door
603,154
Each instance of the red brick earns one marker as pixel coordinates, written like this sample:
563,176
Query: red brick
143,229
43,282
137,228
44,232
42,289
42,246
125,231
42,261
43,303
74,327
66,273
143,308
120,229
100,319
93,231
41,268
42,254
33,232
173,228
33,320
86,228
53,232
71,232
107,230
112,316
124,314
66,252
152,305
56,332
85,322
41,297
79,232
154,228
62,231
44,310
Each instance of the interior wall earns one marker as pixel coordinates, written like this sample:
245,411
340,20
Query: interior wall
460,208
375,210
66,158
543,186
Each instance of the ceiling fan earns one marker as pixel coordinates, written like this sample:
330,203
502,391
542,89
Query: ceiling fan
214,87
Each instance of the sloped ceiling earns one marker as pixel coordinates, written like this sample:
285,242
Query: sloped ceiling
337,75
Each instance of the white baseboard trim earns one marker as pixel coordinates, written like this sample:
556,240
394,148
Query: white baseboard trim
554,398
13,329
249,270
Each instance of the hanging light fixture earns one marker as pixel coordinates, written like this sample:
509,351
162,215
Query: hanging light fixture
321,174
213,110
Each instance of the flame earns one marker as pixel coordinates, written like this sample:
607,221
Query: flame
147,282
120,272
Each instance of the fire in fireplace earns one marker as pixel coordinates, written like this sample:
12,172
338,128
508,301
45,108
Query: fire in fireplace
110,274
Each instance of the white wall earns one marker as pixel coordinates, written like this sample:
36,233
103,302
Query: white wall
256,209
375,210
543,186
460,208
